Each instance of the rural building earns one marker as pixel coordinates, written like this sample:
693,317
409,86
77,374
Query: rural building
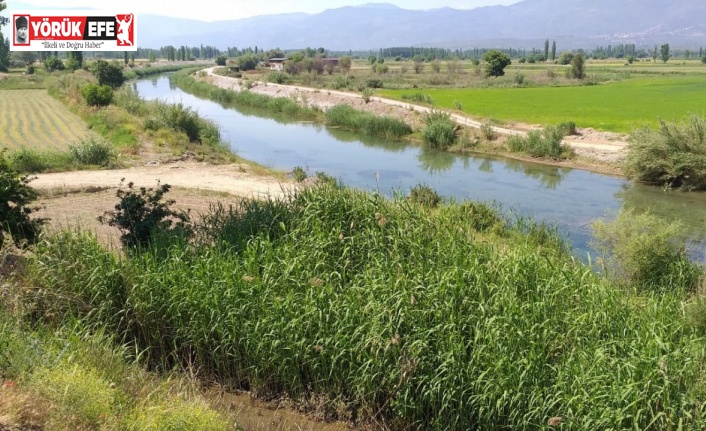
277,63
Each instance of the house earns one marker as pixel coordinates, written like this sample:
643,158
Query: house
277,63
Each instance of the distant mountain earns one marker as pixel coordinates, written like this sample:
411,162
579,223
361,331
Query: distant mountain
572,23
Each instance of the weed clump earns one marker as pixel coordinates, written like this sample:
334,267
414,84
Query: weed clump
674,155
349,118
425,196
440,131
546,143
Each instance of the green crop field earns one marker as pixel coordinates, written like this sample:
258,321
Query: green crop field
618,107
33,119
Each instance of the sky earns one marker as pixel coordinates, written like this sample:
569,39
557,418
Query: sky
217,10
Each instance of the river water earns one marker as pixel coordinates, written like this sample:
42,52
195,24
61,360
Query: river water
570,198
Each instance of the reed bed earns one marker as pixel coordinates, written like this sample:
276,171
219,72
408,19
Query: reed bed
451,318
349,118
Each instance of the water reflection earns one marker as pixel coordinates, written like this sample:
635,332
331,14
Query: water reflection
437,162
549,176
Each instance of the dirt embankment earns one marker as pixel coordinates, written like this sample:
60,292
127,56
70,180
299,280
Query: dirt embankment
589,143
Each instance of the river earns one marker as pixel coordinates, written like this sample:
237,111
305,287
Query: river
571,198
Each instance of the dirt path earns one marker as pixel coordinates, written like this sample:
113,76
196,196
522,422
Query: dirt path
601,146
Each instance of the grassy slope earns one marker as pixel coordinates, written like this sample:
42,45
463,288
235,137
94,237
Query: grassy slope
431,321
618,107
33,119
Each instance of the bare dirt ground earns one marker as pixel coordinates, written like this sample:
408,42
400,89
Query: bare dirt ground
589,143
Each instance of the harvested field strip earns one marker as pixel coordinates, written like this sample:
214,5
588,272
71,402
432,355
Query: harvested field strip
32,119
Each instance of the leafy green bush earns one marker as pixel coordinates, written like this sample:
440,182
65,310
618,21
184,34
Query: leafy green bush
645,252
92,151
221,60
278,77
440,130
15,198
140,215
567,128
97,95
425,196
299,174
546,143
487,132
374,83
673,155
53,63
110,74
184,119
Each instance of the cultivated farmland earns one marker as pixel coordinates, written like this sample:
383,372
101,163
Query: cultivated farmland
33,119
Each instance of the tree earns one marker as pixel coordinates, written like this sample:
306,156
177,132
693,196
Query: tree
3,20
27,57
418,64
546,49
15,197
75,61
107,73
125,59
664,52
221,60
553,57
654,54
495,63
4,53
345,64
53,63
578,70
247,62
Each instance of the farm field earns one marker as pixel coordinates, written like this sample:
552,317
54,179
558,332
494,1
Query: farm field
33,119
616,107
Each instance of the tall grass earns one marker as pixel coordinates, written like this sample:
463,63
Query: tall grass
672,155
545,143
440,130
89,152
347,117
246,98
419,319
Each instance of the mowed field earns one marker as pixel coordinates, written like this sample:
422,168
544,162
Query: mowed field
617,107
34,120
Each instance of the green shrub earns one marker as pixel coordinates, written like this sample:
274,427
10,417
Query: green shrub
110,74
299,174
419,97
440,130
673,155
92,151
546,143
374,83
221,60
488,132
30,70
140,215
181,118
367,95
425,196
97,95
15,198
567,128
278,77
645,252
53,63
176,416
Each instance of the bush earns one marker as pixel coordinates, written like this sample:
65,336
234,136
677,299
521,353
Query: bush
567,128
374,83
110,74
645,252
487,132
299,174
419,97
97,95
92,151
15,198
495,63
184,119
546,143
674,155
440,130
347,117
53,63
277,77
30,70
425,196
221,60
140,215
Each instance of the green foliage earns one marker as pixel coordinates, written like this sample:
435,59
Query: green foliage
140,215
366,94
546,143
424,195
52,63
110,74
418,97
495,63
673,155
278,77
664,53
248,62
299,174
344,63
565,57
177,416
92,151
347,117
181,118
488,132
645,252
221,60
30,70
15,198
430,323
97,95
4,52
440,130
567,128
578,69
374,83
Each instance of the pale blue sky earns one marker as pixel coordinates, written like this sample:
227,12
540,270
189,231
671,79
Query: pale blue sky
214,10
